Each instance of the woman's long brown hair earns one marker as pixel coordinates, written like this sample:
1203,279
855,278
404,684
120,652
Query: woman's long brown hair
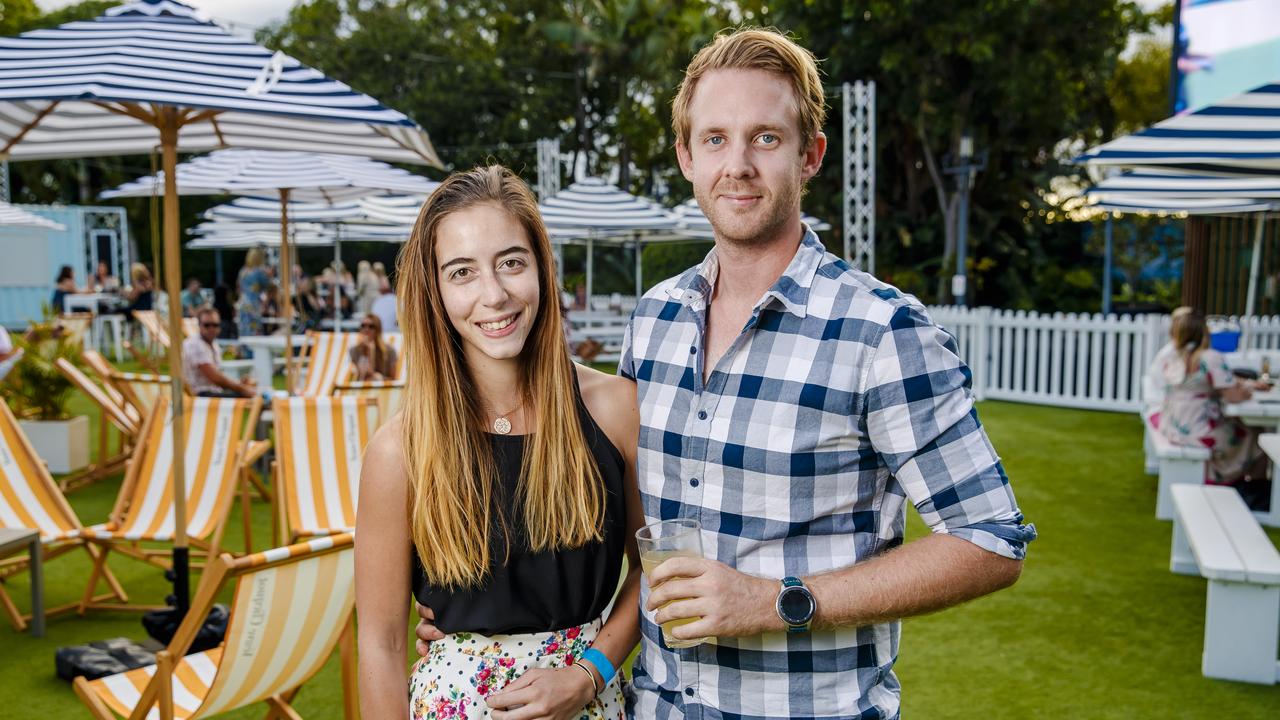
452,476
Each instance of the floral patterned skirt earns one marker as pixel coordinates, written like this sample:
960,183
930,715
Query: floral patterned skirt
460,671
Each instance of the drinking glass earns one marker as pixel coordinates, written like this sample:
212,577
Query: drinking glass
660,542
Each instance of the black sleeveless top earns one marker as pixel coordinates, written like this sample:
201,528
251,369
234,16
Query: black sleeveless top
537,591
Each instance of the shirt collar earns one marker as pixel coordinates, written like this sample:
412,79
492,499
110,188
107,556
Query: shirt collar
791,289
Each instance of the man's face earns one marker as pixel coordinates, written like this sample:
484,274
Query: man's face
744,155
210,324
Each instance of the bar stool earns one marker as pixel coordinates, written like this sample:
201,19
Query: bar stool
116,323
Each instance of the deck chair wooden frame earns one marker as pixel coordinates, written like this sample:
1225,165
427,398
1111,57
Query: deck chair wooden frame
319,446
112,413
158,339
328,362
387,393
218,445
29,498
76,325
291,606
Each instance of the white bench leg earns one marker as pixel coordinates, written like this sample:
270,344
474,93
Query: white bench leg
1173,472
1181,560
1241,629
1151,463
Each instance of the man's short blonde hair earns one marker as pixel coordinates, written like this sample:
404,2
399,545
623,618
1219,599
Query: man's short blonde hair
755,48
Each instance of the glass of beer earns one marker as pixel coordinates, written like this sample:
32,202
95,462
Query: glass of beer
664,540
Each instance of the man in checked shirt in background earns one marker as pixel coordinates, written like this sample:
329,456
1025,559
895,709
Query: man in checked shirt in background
793,406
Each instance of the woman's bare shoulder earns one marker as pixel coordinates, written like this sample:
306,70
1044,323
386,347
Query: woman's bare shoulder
611,400
384,457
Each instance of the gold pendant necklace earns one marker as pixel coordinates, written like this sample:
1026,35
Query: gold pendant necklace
501,425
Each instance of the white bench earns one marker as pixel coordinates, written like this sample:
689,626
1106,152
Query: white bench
1178,464
1215,536
1270,444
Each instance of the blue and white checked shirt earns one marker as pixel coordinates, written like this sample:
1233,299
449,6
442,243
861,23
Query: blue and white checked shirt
839,401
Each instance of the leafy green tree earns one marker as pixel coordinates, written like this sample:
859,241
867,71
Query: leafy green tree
1021,76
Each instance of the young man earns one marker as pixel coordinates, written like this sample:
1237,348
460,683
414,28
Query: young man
793,406
200,361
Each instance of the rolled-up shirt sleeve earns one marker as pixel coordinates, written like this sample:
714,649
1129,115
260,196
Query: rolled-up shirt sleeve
922,422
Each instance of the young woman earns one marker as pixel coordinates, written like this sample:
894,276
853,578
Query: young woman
503,496
141,295
250,284
1197,383
63,285
371,357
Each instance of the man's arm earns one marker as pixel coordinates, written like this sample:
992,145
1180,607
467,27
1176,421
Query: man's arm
926,575
920,419
215,376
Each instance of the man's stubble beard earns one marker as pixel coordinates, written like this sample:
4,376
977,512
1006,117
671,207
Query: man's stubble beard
777,215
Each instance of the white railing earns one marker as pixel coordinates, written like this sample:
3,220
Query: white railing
1073,360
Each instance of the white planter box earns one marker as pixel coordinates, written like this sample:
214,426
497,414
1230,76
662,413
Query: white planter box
62,444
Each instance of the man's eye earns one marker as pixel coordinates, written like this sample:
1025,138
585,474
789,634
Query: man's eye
715,140
768,138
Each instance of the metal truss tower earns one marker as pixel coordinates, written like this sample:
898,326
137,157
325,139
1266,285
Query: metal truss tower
859,110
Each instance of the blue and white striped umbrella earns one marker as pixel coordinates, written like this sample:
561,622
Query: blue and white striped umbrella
1189,206
97,87
691,221
265,209
17,217
1171,185
1240,135
592,207
310,177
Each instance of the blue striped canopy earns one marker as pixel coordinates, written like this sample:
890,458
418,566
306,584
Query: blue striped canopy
96,88
1157,184
592,207
692,222
267,210
1190,206
310,177
1240,135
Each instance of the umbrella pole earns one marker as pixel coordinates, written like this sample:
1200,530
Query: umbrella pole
590,270
168,121
639,271
1251,301
286,265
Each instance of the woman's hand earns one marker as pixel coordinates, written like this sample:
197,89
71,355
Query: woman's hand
543,694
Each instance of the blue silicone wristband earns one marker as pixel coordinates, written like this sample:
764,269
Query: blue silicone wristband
601,663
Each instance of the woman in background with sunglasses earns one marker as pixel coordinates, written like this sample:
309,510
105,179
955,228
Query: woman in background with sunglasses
371,356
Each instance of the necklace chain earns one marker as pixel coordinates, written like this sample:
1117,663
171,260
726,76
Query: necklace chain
501,425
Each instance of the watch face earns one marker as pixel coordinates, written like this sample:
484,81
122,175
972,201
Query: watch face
796,606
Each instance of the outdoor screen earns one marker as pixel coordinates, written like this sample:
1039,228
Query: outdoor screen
1225,47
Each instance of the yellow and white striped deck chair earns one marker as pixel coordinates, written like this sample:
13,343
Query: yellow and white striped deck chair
113,413
75,326
141,390
328,362
103,369
217,441
319,446
291,606
387,394
30,499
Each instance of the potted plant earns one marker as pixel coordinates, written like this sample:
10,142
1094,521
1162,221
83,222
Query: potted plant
38,393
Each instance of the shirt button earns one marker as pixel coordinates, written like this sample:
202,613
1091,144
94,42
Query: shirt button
693,482
688,691
702,414
693,349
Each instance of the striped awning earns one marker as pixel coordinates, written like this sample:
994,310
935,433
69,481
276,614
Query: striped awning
592,207
245,239
17,217
1172,185
311,177
93,87
1240,135
1174,206
691,221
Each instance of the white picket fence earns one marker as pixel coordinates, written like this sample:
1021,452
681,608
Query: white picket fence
1086,361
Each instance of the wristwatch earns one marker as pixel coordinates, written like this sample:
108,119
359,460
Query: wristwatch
796,605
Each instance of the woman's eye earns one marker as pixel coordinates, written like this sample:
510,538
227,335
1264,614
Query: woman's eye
460,273
513,263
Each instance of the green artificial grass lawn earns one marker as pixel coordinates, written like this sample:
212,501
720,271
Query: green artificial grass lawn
1096,628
